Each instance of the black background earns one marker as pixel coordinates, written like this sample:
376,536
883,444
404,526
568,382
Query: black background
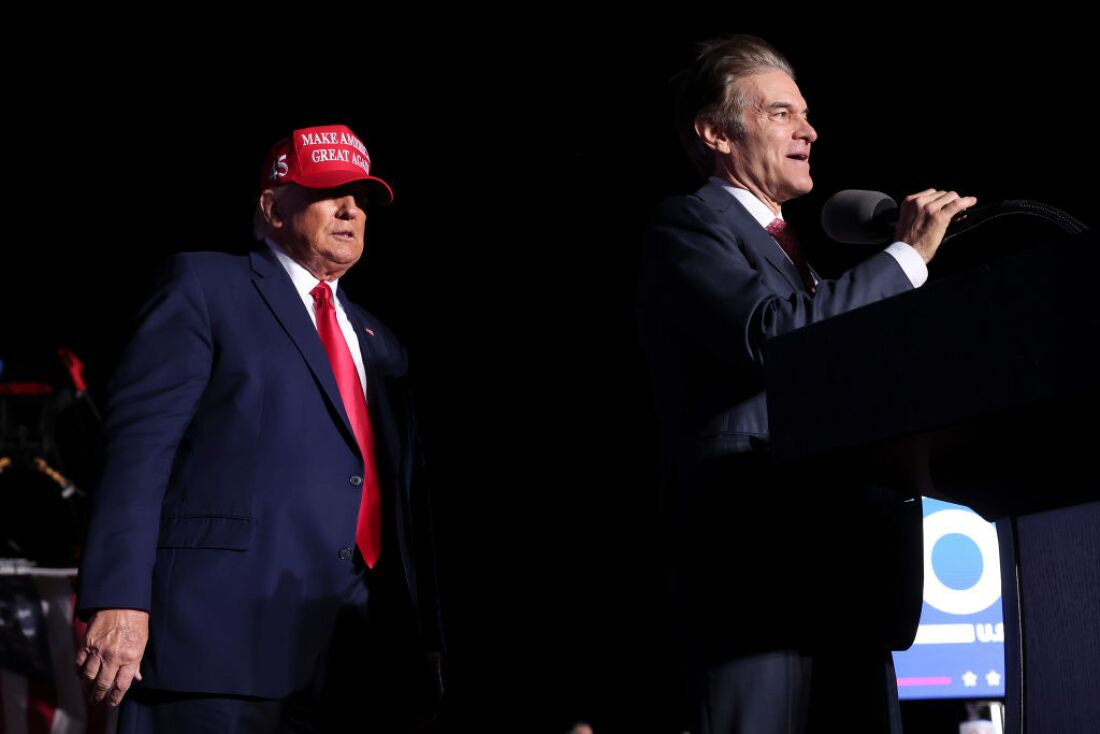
525,160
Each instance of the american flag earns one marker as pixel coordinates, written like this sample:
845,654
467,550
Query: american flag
40,692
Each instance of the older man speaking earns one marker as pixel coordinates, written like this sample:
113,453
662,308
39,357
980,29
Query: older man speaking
762,622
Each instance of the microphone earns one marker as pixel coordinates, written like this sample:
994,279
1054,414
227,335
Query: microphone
859,217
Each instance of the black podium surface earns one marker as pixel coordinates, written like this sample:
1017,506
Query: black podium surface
981,388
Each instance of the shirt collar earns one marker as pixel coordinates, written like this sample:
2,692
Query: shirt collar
758,209
304,281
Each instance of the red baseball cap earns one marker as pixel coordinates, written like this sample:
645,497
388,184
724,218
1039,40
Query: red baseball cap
322,158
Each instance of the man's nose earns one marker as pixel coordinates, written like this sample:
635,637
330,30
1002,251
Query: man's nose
349,208
807,132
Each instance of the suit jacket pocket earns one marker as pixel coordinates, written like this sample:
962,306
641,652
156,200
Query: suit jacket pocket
223,532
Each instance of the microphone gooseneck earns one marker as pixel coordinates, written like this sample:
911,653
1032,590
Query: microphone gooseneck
860,217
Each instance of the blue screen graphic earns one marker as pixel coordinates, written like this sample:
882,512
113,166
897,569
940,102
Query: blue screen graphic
959,650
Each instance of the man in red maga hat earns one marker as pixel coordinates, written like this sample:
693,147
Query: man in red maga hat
259,556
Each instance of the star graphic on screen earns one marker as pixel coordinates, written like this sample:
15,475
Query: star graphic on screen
993,678
969,679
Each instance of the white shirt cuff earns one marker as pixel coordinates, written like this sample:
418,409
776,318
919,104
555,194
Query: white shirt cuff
910,262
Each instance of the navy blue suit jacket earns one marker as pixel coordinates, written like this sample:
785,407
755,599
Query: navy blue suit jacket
752,545
231,480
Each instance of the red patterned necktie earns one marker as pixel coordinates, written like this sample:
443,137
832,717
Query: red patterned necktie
368,530
786,238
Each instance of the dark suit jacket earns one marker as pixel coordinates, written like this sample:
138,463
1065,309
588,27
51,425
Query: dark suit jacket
231,483
761,556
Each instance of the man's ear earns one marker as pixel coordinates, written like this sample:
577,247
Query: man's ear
712,136
270,209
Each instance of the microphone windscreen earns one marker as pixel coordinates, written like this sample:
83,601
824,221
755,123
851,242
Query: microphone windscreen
859,217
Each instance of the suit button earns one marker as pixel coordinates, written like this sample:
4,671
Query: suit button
345,554
355,480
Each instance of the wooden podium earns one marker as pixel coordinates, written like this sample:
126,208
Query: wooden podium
981,388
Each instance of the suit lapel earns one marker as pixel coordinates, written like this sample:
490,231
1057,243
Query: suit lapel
754,236
278,292
375,355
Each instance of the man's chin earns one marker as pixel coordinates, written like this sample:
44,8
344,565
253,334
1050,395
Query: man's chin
800,188
344,254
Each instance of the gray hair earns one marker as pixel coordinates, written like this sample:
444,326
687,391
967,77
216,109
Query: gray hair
709,89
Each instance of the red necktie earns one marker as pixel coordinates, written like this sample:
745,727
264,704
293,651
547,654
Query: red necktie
368,530
786,238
